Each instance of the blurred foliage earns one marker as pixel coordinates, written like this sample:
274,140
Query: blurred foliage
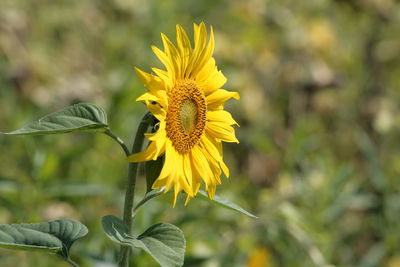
319,157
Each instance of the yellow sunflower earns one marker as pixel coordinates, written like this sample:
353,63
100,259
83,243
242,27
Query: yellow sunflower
188,102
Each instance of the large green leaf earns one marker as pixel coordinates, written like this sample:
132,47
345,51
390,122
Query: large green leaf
54,236
164,242
225,203
83,117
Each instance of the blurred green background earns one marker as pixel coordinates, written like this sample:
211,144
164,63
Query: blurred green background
319,157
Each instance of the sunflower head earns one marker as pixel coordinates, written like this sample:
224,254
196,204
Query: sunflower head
187,100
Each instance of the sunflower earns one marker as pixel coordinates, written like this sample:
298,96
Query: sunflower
188,102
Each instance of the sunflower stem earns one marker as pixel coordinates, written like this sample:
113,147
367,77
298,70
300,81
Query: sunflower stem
131,183
72,262
119,141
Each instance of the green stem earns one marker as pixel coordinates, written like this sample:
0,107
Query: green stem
130,186
145,199
72,262
119,141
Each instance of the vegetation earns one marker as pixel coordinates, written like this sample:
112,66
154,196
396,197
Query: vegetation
318,160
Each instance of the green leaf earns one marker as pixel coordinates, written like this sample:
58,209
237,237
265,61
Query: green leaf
164,242
116,230
83,117
225,203
54,236
153,170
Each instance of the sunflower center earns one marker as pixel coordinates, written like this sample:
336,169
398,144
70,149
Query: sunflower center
186,115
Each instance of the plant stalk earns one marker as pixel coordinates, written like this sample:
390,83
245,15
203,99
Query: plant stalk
119,141
131,183
147,198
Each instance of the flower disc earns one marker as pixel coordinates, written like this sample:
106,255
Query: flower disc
186,115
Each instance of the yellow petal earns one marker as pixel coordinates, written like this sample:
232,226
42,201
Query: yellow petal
156,110
215,169
211,191
201,166
185,49
200,41
165,60
221,131
224,168
196,175
161,133
151,82
208,69
147,97
149,154
172,173
179,169
207,145
200,37
221,116
187,199
203,54
167,79
219,97
172,54
156,87
218,146
187,168
177,190
214,82
209,78
169,163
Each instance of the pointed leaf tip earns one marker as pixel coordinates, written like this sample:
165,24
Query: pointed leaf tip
225,203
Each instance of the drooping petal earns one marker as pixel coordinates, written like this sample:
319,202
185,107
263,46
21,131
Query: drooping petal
181,178
169,161
153,151
208,146
201,167
172,173
223,132
188,172
218,145
177,190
